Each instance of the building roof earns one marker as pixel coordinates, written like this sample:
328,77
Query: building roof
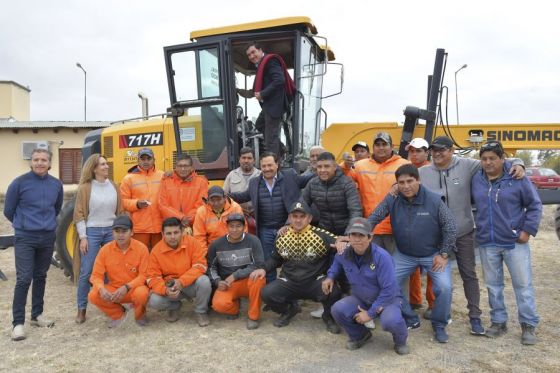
16,84
51,124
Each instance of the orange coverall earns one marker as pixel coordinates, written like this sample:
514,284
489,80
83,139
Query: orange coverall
180,198
121,267
186,263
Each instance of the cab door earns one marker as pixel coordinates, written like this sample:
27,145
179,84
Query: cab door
197,85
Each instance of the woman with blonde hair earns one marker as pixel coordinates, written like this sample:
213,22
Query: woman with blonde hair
98,202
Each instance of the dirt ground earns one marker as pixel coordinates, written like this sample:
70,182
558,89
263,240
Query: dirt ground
303,346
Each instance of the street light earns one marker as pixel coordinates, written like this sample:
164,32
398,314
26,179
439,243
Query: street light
85,90
144,99
456,94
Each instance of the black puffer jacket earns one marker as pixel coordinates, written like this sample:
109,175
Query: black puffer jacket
337,201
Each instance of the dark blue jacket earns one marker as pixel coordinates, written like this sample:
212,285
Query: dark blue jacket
33,202
504,209
372,277
275,101
289,182
422,227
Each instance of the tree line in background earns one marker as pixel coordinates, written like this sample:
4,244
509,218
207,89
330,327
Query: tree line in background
549,158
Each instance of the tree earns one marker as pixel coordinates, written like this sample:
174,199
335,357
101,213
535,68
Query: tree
526,156
543,155
553,162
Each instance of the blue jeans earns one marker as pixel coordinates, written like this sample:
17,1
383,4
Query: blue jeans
518,262
268,237
33,255
200,291
405,265
96,237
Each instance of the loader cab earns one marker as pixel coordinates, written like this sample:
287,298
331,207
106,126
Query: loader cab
204,77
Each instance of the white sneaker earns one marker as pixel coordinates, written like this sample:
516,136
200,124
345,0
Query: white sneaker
370,325
18,333
318,313
42,322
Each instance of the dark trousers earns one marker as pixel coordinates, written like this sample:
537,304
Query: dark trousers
272,134
466,262
281,292
267,237
391,319
33,255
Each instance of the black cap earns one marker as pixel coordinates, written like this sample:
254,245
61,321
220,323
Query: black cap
122,221
359,225
235,217
145,151
360,144
441,142
301,207
216,191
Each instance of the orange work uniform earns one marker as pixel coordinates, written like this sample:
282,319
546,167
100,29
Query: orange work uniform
208,226
374,181
415,285
180,198
226,301
186,263
121,267
140,184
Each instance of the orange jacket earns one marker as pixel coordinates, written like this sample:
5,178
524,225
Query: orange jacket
374,182
185,263
128,267
178,198
140,184
207,226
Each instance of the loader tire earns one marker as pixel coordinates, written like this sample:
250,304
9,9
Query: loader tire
65,237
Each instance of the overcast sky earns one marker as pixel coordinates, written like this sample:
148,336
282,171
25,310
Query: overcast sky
387,48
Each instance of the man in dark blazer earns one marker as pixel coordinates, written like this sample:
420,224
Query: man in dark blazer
271,88
272,194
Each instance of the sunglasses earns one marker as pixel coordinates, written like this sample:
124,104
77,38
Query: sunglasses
491,146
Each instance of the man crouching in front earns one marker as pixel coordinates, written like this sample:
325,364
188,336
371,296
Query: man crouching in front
123,262
176,270
375,292
304,254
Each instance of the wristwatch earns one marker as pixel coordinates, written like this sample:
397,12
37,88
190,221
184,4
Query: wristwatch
444,255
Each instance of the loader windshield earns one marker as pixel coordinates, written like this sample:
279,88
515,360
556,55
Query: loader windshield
197,89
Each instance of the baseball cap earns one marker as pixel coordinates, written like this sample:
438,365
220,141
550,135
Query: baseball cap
122,221
216,191
301,207
235,217
418,143
441,142
360,144
146,151
383,136
359,225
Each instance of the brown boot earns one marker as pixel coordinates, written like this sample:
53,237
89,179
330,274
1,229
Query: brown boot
81,316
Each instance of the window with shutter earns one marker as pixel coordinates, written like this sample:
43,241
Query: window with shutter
70,166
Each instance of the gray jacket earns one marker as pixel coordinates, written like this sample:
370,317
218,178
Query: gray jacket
454,184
